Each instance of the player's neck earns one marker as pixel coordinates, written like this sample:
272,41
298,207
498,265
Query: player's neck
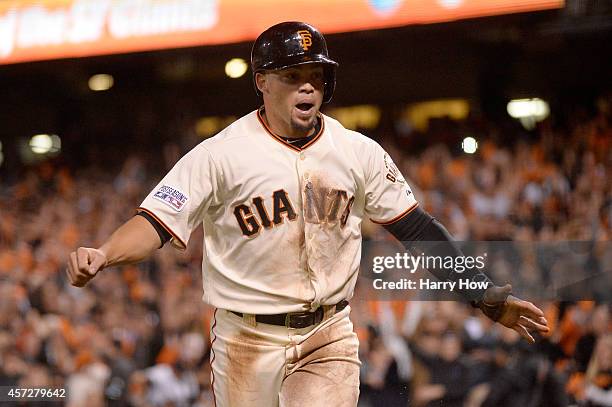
285,131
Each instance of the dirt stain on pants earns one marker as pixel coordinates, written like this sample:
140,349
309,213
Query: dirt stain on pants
265,365
324,372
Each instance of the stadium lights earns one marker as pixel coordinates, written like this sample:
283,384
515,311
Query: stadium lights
535,107
101,82
528,111
208,126
418,115
359,116
450,4
45,144
236,67
469,145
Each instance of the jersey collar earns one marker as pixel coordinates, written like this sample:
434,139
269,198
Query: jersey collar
282,140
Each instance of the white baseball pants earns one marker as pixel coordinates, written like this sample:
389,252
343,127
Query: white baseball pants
263,365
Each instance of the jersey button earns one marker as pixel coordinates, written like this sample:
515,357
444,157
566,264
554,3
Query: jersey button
302,156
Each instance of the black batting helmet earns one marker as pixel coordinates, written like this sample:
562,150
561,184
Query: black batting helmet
289,44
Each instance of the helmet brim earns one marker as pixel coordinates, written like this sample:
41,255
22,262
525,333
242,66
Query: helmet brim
291,61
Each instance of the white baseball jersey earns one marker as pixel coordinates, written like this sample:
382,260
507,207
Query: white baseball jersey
282,224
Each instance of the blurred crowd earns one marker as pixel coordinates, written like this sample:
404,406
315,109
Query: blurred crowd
139,335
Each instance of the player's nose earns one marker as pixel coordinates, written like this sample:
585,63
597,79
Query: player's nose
307,87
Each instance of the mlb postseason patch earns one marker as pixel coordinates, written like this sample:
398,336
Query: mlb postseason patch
171,197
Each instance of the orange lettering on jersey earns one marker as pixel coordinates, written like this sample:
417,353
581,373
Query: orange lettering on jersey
282,207
347,212
341,196
246,220
251,220
315,203
305,39
323,204
263,212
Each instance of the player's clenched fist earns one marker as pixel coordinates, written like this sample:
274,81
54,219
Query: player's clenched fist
84,264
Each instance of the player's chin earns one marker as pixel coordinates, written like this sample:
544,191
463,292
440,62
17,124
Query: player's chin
303,126
304,120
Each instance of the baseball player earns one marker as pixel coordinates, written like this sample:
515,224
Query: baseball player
281,194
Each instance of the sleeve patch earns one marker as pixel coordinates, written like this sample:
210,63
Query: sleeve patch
392,173
172,197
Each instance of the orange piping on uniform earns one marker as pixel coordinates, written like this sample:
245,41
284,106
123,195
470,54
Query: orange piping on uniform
398,217
212,371
283,142
174,235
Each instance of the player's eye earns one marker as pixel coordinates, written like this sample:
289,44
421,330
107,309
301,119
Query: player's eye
292,76
317,75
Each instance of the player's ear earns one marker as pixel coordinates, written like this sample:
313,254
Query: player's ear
260,82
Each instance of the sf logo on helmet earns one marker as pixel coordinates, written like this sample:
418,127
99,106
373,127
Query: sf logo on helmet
305,39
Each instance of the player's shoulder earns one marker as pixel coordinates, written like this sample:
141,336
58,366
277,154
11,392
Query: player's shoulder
341,133
236,132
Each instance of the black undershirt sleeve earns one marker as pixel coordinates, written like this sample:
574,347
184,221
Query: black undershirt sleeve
164,235
420,233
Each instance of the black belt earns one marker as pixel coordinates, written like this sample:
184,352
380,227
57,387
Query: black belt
295,319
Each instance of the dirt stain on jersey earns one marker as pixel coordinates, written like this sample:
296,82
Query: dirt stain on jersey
296,243
287,264
324,203
325,209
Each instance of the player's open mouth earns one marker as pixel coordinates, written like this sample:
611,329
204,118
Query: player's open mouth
304,107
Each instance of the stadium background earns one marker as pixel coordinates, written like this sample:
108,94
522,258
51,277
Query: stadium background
139,335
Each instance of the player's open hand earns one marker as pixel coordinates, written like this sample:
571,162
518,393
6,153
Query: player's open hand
514,313
84,264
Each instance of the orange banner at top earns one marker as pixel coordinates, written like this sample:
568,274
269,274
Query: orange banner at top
51,29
